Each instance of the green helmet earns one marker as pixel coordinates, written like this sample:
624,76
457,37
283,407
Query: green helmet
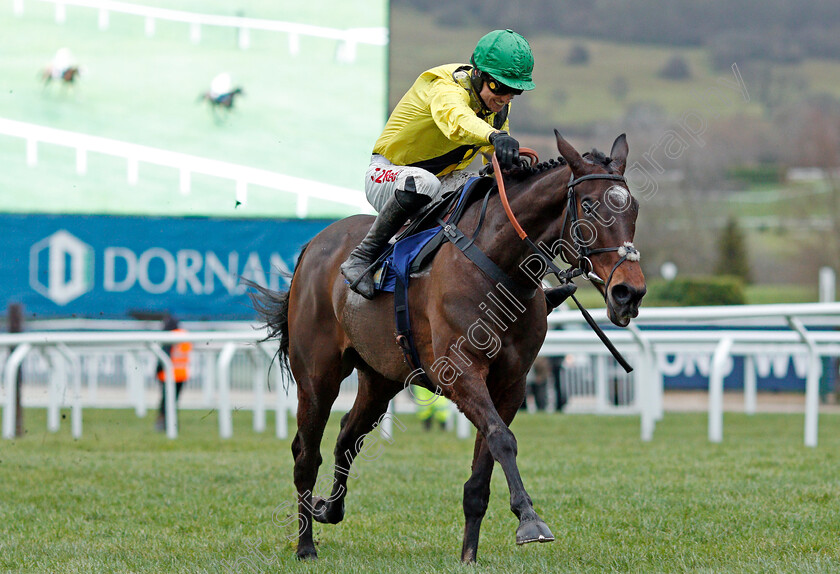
506,56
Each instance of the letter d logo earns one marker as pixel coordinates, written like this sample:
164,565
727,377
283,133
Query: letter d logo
67,265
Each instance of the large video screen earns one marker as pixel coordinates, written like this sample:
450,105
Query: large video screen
294,143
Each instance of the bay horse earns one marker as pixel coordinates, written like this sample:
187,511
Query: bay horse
67,76
477,355
221,102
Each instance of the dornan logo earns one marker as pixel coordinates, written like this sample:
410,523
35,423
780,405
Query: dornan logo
61,267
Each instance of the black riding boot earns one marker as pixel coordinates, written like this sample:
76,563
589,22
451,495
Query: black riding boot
555,296
394,213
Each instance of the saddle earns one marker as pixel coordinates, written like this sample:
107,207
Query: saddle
416,245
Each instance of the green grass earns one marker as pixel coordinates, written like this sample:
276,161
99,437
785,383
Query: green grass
126,499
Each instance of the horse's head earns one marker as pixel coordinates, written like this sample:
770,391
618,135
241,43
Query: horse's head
599,225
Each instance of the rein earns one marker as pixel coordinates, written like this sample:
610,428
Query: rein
627,252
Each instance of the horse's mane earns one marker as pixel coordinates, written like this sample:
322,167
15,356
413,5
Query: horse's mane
595,156
525,172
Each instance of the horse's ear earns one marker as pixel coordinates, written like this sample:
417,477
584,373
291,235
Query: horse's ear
619,154
569,153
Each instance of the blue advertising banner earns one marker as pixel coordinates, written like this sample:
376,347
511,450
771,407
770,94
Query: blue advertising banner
111,267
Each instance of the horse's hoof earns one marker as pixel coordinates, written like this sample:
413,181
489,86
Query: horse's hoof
306,554
327,513
533,531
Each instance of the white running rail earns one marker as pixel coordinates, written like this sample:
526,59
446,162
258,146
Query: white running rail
646,345
349,38
642,347
134,154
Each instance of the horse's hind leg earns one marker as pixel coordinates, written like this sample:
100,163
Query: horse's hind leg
375,392
318,385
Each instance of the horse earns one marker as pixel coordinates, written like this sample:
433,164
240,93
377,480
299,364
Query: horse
221,101
68,75
477,339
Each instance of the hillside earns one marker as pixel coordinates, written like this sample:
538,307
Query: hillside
779,31
619,79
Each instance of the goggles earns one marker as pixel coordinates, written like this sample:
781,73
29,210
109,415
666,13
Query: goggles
499,88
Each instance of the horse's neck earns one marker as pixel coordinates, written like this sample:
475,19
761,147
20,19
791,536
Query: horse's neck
538,204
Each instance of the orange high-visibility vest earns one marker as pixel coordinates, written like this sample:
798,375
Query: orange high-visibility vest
180,355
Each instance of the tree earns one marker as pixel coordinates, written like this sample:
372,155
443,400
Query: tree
732,252
676,68
578,55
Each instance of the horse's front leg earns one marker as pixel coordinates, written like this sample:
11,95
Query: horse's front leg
473,398
477,488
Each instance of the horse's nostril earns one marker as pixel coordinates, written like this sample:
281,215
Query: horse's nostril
624,294
621,294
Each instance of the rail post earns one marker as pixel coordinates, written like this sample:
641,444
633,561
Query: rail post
76,403
812,382
646,391
223,368
10,383
259,391
169,385
716,389
750,385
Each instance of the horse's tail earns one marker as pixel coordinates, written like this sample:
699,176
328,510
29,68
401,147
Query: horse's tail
273,309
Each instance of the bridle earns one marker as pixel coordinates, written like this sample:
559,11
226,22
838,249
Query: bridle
627,251
583,267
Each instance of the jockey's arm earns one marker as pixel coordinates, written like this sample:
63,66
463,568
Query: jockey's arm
449,105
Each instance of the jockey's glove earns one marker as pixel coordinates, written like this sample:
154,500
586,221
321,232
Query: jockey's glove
507,149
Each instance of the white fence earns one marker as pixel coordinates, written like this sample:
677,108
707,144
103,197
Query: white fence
186,165
63,351
644,347
348,39
642,392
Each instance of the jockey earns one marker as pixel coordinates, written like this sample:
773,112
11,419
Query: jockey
220,86
61,62
451,113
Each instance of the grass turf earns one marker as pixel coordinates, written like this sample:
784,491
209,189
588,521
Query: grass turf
126,499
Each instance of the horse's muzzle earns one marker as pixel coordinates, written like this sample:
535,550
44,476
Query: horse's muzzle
623,303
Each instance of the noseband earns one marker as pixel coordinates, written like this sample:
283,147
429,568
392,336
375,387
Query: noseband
626,252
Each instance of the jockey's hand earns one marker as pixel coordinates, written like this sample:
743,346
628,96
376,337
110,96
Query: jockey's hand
507,149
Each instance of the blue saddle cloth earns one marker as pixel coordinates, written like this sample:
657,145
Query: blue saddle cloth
406,250
401,258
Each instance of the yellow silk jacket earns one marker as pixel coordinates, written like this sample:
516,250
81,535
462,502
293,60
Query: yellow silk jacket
440,123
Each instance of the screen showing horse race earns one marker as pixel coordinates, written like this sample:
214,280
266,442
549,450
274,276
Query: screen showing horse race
250,109
155,152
